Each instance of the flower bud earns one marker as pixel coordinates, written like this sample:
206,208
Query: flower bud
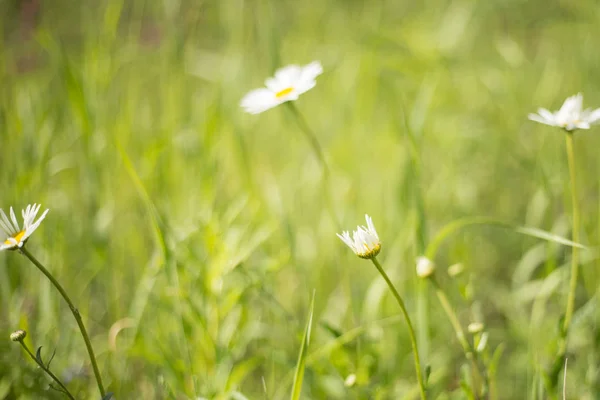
425,267
18,336
456,269
475,327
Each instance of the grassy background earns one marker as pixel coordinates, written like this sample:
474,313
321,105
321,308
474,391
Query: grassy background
191,235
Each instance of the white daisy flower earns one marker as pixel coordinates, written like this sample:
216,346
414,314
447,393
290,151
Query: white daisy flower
16,237
287,85
365,241
571,115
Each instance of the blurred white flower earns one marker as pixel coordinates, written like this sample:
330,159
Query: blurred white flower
350,380
364,242
456,269
571,115
16,237
287,85
475,327
425,267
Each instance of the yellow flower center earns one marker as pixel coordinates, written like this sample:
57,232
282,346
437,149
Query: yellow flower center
283,92
17,237
369,252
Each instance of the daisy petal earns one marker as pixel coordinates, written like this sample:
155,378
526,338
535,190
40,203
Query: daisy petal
7,229
311,71
6,222
305,87
13,218
30,229
546,114
537,118
571,105
258,100
33,212
345,236
594,116
288,75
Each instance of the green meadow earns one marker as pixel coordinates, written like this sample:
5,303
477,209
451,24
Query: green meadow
192,236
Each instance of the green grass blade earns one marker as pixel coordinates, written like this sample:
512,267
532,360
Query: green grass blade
457,225
299,375
545,235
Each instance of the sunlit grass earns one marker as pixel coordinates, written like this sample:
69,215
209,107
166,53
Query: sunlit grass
192,235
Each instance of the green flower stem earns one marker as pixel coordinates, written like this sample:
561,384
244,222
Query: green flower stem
469,350
312,138
562,345
411,331
314,143
575,235
76,314
460,334
47,370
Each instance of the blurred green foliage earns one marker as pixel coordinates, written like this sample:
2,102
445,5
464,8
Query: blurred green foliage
191,235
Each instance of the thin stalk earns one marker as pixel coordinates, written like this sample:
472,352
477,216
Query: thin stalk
309,134
47,370
470,352
575,236
314,143
570,307
564,393
411,331
75,311
413,141
460,334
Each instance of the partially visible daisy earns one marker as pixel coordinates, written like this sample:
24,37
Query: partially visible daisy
287,85
16,237
365,241
571,115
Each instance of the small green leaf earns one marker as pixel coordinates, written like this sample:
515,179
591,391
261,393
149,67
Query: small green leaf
38,356
299,376
329,328
51,358
495,359
427,373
